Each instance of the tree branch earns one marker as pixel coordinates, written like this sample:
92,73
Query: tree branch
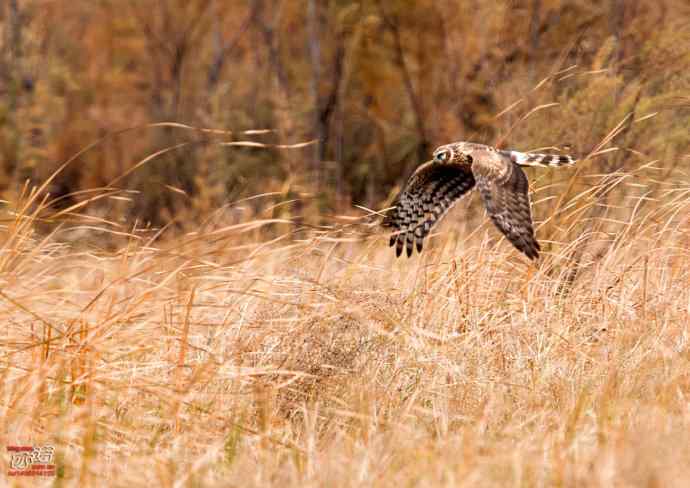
394,28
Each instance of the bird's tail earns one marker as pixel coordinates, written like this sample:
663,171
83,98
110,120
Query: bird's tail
534,159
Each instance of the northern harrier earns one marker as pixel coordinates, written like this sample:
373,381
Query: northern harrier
456,168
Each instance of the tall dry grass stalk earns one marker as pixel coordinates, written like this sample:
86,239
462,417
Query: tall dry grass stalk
247,354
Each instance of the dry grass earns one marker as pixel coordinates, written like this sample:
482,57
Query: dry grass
225,358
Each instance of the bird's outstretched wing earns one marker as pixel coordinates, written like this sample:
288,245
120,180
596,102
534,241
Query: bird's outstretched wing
429,193
504,189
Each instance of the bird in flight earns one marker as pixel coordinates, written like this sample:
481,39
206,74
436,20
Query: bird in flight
457,168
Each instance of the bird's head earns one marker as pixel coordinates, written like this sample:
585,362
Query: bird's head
452,154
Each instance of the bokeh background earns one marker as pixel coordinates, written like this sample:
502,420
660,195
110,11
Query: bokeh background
376,83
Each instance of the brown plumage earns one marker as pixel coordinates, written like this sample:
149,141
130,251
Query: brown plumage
456,168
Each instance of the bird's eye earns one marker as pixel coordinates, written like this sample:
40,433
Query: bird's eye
441,156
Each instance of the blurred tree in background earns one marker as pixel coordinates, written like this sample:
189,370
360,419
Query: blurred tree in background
378,83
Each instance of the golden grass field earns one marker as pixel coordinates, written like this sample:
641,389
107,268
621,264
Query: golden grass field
245,354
